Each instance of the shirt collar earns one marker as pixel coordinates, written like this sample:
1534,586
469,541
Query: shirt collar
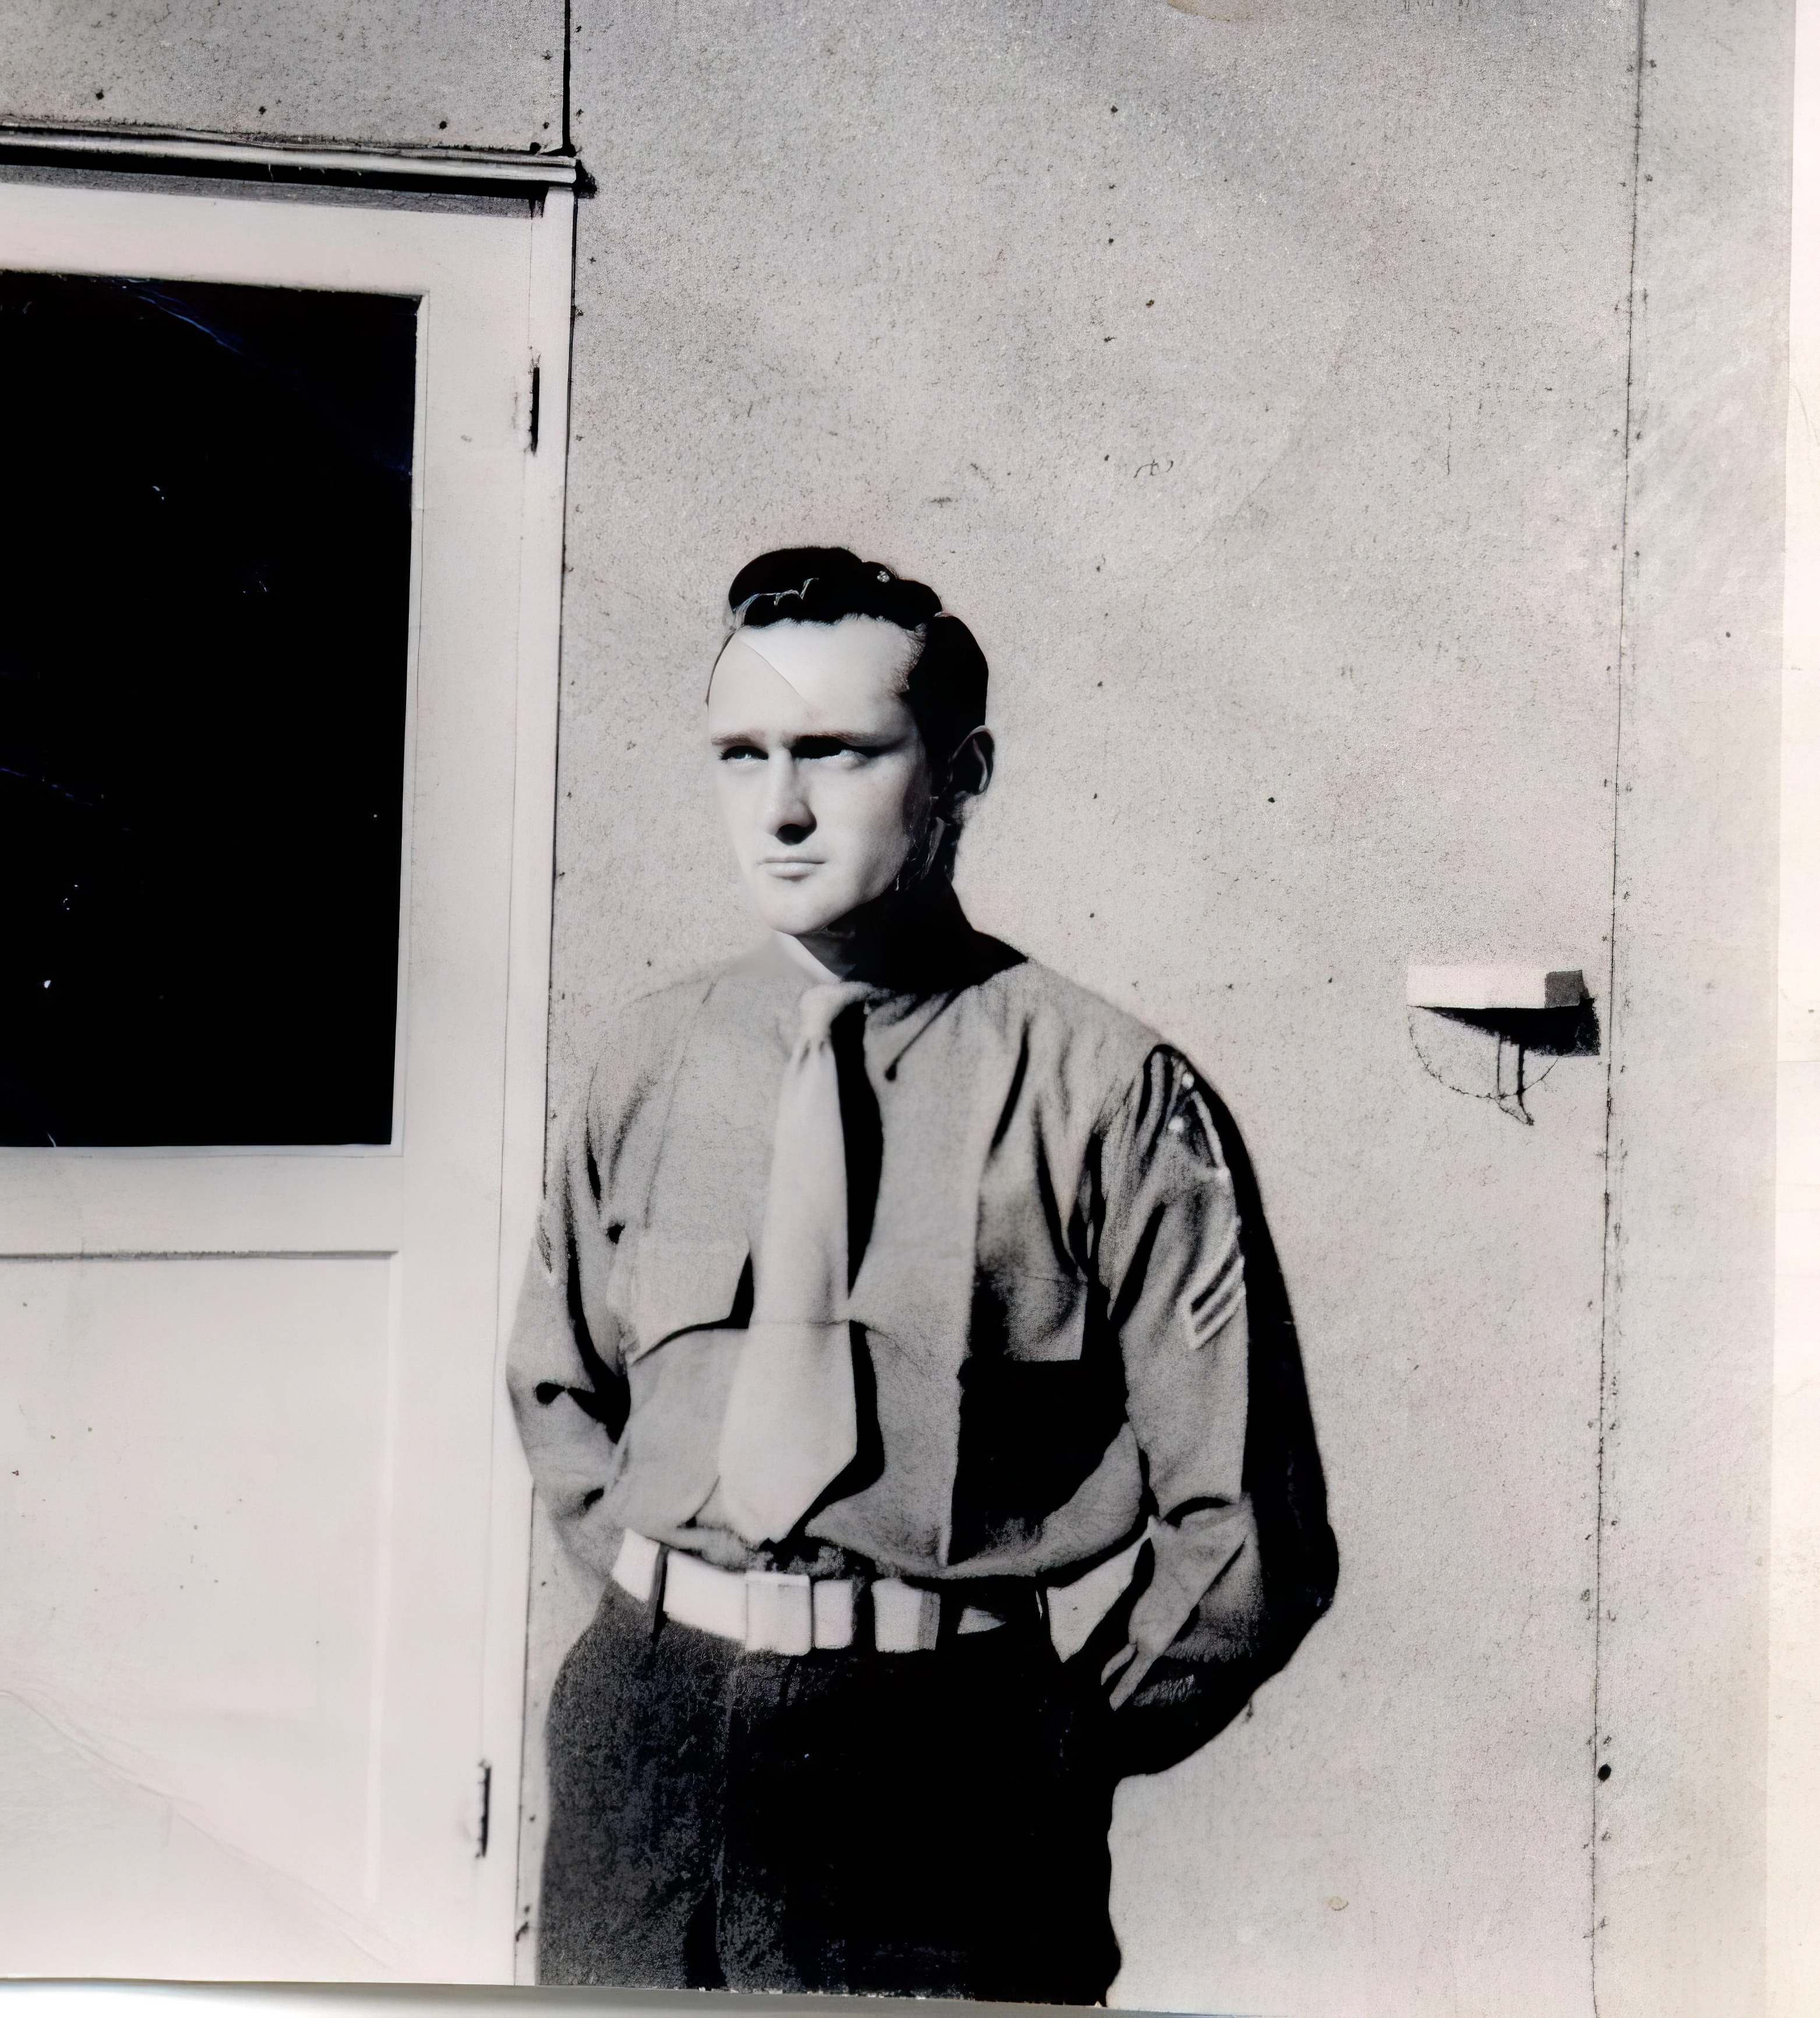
940,956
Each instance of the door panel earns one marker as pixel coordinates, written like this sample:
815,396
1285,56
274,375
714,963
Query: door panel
197,1591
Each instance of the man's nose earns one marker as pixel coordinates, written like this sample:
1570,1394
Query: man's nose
787,813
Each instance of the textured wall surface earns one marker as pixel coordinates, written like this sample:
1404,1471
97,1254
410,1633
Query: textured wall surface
1683,1719
1256,389
427,73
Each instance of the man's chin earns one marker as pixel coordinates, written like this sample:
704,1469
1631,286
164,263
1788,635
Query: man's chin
799,915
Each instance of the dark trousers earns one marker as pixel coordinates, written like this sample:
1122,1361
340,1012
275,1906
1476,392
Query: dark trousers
931,1822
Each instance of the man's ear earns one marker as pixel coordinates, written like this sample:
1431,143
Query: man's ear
969,769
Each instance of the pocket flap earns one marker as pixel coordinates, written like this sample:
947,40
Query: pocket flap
675,1285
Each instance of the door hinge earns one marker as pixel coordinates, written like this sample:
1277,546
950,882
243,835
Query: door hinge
537,402
486,1807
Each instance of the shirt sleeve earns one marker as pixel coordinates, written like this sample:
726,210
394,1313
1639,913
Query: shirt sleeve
1172,1262
565,1369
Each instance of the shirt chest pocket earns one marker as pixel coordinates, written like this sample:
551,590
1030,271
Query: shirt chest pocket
1023,1314
664,1286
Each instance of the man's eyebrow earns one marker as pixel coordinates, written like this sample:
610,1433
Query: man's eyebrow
860,738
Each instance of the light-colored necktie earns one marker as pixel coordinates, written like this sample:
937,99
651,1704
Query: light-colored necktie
791,1424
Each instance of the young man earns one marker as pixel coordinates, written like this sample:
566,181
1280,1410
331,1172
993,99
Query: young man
887,1282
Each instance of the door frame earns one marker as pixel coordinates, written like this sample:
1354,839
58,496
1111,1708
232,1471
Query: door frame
175,164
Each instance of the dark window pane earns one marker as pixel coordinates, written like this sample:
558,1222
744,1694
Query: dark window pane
205,563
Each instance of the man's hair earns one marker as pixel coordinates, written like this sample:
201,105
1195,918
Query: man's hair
947,690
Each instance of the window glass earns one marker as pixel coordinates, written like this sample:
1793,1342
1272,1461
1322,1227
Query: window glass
205,550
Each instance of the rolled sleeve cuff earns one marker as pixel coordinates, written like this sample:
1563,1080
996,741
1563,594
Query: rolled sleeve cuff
1204,1584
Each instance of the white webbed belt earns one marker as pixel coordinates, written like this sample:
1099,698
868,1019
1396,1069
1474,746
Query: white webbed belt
778,1611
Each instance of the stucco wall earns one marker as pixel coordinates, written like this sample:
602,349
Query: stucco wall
1683,1718
422,73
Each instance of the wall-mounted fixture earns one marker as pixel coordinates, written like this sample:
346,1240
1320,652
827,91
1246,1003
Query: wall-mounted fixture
1490,987
1486,1021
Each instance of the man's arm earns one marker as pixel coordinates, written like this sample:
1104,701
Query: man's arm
564,1368
1241,1560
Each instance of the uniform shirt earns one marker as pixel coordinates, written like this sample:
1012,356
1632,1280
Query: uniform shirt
1048,1306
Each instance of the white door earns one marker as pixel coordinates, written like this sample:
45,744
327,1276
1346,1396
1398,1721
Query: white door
262,1559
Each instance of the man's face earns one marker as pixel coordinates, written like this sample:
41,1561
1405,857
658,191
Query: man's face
824,781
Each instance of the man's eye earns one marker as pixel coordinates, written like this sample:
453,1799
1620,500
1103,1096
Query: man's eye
824,745
742,753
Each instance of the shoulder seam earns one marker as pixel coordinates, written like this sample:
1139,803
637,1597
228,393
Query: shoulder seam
1134,1026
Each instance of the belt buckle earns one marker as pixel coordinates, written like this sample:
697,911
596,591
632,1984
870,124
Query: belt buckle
780,1612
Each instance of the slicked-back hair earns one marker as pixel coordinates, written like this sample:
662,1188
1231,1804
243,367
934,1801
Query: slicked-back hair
946,691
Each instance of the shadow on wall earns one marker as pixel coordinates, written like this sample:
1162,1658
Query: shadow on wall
1488,1054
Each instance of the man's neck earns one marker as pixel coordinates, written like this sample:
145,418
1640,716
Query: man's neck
905,942
797,952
